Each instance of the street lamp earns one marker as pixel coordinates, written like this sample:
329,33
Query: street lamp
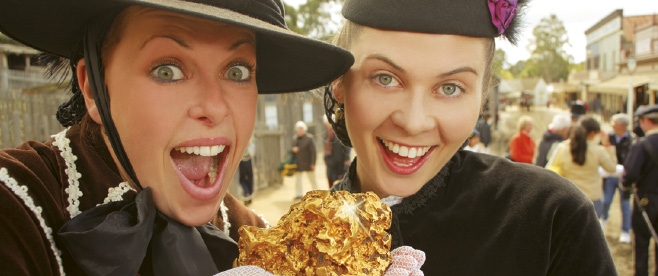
631,64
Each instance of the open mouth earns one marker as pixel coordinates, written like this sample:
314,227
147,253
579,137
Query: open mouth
403,159
199,168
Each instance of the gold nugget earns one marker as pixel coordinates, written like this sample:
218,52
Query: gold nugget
325,234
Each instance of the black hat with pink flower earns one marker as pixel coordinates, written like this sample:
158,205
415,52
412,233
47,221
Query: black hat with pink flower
476,18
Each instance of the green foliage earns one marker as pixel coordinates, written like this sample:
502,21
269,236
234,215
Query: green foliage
548,59
518,68
498,61
313,18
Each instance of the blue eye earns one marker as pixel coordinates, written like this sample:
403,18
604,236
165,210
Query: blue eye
238,73
167,73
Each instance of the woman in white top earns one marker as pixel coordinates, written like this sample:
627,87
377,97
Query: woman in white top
579,158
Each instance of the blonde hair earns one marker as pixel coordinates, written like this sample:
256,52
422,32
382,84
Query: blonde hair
523,122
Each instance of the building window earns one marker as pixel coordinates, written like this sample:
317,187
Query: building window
271,116
308,112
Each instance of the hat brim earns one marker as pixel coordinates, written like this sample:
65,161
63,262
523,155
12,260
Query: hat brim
287,61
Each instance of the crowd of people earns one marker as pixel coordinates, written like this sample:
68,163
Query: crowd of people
163,106
600,164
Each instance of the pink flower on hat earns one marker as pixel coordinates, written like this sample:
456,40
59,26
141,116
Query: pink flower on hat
502,13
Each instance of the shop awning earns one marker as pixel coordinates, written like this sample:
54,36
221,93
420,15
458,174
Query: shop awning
619,85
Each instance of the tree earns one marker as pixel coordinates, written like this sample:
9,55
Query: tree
498,61
518,69
313,18
548,59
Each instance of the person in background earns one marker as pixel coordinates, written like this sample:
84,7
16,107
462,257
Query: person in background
474,143
641,169
246,172
622,139
580,157
305,155
163,102
521,145
577,109
484,128
557,131
336,155
408,105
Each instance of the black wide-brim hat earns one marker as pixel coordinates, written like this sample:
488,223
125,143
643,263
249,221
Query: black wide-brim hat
287,61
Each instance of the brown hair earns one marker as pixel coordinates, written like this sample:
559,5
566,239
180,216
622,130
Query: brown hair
578,143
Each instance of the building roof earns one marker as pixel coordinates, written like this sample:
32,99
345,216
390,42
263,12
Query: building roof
17,49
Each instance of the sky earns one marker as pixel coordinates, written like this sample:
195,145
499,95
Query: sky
576,15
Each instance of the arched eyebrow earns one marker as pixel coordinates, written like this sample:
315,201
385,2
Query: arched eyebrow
443,75
176,39
385,60
237,44
459,70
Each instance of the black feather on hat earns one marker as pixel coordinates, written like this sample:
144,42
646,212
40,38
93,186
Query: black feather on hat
476,18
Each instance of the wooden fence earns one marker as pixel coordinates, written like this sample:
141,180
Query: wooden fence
28,104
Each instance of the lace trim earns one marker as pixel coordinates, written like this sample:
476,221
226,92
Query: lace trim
116,193
21,192
392,200
227,224
267,223
73,190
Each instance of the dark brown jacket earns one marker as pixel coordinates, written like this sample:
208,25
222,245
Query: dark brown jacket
34,200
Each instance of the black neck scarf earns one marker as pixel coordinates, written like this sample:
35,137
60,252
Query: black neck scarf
93,43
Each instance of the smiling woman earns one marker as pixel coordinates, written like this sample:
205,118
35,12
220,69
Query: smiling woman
163,105
427,68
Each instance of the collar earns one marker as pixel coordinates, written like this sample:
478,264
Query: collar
651,132
400,205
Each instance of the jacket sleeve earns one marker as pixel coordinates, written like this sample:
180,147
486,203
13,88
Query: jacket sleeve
238,215
580,242
608,159
25,250
633,164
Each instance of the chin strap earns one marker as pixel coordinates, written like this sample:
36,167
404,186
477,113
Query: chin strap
92,43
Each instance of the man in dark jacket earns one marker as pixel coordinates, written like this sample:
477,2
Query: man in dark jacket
305,154
641,169
622,139
557,131
336,155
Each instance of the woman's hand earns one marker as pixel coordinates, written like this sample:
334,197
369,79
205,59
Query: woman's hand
406,262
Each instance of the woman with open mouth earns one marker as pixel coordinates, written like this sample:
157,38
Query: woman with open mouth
408,104
163,106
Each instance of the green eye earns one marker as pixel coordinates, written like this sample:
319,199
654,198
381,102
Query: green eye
385,79
449,89
238,73
167,73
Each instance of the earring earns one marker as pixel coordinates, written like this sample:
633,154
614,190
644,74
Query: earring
339,113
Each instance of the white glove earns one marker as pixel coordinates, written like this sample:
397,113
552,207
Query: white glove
406,262
247,270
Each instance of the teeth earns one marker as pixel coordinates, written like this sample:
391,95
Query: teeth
412,153
214,167
404,151
202,150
